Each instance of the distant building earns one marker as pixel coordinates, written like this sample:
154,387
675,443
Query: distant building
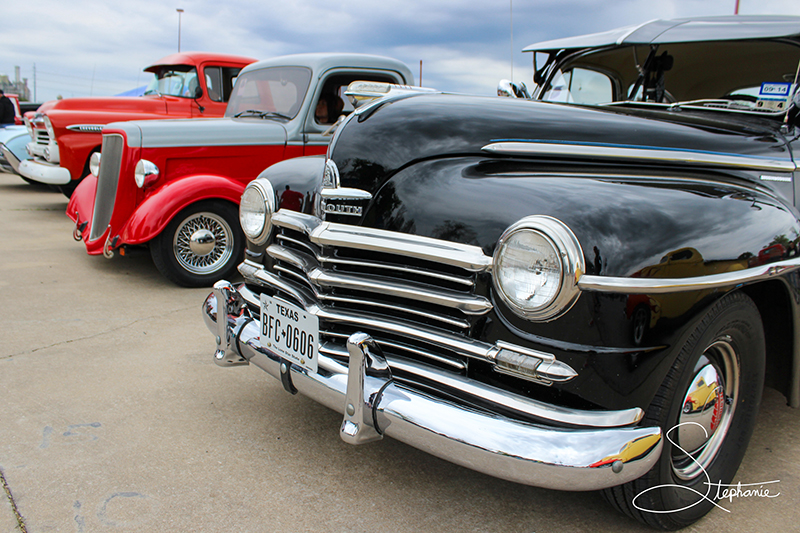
16,86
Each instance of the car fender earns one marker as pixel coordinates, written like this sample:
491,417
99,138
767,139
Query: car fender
158,209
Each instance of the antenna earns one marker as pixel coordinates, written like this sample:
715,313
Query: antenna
511,21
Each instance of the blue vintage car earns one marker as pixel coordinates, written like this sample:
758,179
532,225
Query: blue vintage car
12,147
584,289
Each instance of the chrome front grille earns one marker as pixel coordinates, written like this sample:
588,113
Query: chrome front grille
393,281
111,159
41,137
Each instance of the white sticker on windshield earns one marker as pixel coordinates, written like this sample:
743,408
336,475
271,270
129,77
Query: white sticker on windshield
780,90
774,96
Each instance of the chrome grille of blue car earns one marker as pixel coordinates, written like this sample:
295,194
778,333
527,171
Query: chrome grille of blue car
110,161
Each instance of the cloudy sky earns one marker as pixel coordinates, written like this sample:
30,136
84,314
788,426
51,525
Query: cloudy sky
99,48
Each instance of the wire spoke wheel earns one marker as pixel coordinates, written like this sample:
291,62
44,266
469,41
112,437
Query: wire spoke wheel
200,245
203,243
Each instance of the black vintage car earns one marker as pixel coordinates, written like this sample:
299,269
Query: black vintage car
586,289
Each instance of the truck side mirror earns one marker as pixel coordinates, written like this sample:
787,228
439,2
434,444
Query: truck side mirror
510,89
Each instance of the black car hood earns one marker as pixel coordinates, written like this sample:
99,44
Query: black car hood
377,143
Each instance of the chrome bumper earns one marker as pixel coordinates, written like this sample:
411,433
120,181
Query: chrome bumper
10,159
44,173
374,404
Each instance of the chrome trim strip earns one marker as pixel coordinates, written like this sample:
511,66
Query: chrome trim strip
322,233
668,285
332,348
468,282
782,179
546,456
464,256
283,218
86,128
296,242
463,324
471,305
515,402
344,193
603,151
398,268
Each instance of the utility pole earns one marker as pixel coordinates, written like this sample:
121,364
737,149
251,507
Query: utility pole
34,83
180,11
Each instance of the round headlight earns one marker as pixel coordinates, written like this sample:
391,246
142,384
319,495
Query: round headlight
145,173
255,210
94,164
536,267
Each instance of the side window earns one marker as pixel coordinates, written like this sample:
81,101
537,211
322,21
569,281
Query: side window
332,102
214,83
580,86
219,82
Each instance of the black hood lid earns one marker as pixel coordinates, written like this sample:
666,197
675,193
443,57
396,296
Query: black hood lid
374,145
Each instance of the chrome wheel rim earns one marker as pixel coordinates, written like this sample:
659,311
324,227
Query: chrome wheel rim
709,403
203,243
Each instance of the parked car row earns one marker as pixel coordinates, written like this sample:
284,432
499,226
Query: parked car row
175,185
583,286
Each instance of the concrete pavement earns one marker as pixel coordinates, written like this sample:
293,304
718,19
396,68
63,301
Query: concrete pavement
115,418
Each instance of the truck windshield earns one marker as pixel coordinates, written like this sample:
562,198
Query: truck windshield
269,90
174,81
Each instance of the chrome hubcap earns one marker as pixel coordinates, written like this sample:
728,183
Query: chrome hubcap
707,410
203,243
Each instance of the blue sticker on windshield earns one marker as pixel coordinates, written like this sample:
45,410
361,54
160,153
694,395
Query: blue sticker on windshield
775,89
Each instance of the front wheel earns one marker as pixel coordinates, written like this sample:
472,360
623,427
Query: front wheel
201,245
706,408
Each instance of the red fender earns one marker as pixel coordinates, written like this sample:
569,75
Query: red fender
153,215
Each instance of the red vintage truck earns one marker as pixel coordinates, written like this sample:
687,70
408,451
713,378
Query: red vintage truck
65,133
174,186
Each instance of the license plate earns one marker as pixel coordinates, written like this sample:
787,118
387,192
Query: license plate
289,331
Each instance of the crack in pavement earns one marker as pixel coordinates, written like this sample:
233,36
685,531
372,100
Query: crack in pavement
17,515
95,335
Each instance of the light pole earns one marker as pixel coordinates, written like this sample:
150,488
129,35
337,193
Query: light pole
180,11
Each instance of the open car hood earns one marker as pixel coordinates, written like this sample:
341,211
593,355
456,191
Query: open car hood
680,31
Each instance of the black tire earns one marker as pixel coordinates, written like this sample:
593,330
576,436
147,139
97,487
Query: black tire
70,187
725,349
198,263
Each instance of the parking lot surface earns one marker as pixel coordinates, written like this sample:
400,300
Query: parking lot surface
115,418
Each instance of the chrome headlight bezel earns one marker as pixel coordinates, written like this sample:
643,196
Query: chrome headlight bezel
49,127
256,208
568,262
146,173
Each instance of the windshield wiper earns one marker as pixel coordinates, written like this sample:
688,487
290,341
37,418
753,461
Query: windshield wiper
261,114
